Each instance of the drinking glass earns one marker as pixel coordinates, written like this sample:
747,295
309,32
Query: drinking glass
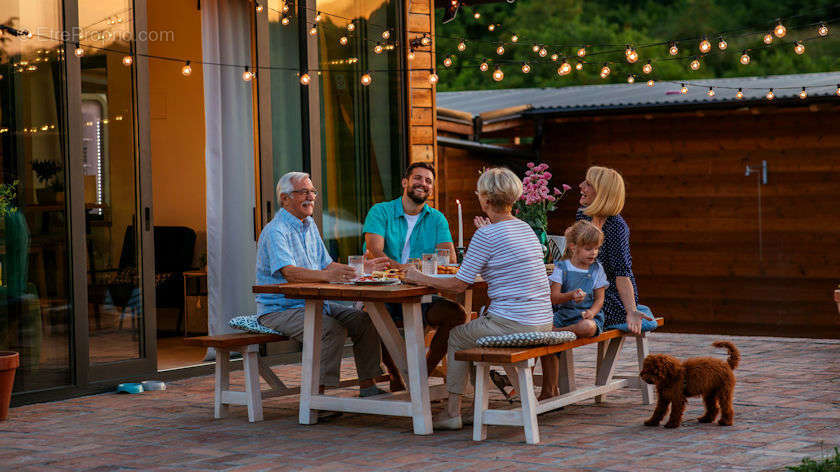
416,262
442,256
358,264
429,264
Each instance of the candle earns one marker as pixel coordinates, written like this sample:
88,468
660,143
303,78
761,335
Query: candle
460,225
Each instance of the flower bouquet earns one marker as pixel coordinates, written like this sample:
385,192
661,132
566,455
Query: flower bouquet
537,199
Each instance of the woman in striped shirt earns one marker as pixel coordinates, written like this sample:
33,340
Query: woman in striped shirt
508,256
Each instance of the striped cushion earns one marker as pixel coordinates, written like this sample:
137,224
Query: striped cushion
250,324
538,338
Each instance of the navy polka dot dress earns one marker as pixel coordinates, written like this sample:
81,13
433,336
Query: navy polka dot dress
615,257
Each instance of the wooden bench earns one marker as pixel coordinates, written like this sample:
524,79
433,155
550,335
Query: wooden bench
517,362
254,366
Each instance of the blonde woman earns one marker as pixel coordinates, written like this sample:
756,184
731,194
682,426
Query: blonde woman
508,255
602,199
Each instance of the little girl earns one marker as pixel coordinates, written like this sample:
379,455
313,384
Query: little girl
578,284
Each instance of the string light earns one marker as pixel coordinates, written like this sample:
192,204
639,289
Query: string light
259,8
722,44
127,61
498,75
739,95
798,47
683,89
285,21
564,68
745,58
768,38
447,62
483,67
433,78
647,68
526,68
514,38
780,31
305,79
705,45
377,49
631,55
630,79
673,49
285,7
543,52
313,31
79,52
837,92
555,57
411,54
318,17
581,52
491,27
343,40
186,71
770,95
477,15
803,94
462,46
605,71
386,35
695,64
366,79
351,26
579,65
247,75
711,92
425,40
651,83
500,50
822,30
535,48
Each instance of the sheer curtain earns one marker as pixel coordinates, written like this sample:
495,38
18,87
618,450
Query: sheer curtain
229,155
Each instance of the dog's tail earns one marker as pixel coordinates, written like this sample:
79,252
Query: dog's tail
734,354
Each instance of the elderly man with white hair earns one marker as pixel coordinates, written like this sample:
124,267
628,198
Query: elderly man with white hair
290,249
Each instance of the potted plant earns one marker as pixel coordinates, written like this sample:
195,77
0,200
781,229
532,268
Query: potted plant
9,362
537,200
47,173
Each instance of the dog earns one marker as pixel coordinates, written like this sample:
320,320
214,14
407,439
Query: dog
675,381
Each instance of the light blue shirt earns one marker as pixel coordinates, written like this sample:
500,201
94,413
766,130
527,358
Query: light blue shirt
287,241
387,219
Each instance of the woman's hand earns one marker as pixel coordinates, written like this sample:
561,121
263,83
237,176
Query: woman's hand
634,321
481,221
412,275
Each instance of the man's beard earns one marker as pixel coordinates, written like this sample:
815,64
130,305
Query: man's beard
417,199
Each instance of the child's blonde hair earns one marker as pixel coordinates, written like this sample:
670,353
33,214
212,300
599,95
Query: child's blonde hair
582,233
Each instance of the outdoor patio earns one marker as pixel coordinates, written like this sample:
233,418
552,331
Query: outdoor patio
787,406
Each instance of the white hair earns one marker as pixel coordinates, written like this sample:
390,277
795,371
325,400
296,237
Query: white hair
286,184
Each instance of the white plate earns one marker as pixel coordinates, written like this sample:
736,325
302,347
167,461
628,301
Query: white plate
377,282
443,276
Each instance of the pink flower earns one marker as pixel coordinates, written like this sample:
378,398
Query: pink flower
542,182
557,191
542,167
550,198
530,165
516,212
566,187
526,180
547,176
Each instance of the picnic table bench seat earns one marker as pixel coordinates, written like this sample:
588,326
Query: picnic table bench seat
517,362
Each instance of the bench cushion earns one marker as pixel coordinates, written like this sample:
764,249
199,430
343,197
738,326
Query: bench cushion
250,324
536,338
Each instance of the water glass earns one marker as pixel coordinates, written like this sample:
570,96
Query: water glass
416,262
429,264
442,256
358,264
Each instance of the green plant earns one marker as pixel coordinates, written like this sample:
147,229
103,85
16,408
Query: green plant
8,193
47,172
828,464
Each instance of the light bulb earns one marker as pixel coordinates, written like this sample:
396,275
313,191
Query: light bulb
683,89
247,75
514,38
694,64
343,40
377,49
770,95
314,30
447,62
647,68
798,47
351,26
564,68
186,70
630,79
837,92
745,58
411,54
491,27
366,79
305,79
127,61
780,31
711,92
535,48
462,46
433,78
476,15
651,83
673,49
579,65
803,94
285,21
822,30
739,95
425,40
498,75
605,71
705,46
631,55
581,52
285,8
722,44
483,67
79,52
386,34
555,57
526,68
768,38
259,8
543,52
500,50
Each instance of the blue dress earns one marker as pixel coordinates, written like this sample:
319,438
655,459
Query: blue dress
568,313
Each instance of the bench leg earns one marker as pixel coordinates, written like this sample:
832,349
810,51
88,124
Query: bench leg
222,382
482,378
642,352
567,372
253,394
606,366
529,401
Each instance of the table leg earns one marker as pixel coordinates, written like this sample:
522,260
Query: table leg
389,333
311,368
418,381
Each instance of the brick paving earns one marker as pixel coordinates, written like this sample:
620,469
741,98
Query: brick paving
787,406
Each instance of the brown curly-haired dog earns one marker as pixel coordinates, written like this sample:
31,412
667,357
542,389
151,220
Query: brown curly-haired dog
676,381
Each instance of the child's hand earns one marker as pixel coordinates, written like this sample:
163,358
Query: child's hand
587,314
578,295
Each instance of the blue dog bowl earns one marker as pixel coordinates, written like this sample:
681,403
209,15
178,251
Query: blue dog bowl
129,388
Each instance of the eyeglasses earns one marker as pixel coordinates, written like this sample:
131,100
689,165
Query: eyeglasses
305,192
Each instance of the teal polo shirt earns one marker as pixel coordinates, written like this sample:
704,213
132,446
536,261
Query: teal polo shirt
387,219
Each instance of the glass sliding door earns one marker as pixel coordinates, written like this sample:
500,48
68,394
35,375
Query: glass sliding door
35,298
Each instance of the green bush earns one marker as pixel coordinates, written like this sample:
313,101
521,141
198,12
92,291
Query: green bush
830,464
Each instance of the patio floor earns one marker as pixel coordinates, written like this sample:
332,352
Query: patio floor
787,406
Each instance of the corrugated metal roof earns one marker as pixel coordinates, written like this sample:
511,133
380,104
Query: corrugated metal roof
638,95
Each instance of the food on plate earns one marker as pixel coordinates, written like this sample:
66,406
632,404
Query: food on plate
389,274
447,269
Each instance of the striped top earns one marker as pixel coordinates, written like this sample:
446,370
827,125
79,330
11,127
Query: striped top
509,257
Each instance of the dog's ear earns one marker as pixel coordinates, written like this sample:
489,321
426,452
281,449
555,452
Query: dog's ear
670,367
661,367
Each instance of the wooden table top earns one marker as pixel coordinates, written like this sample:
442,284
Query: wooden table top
400,293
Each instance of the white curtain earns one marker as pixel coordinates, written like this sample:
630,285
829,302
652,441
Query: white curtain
229,161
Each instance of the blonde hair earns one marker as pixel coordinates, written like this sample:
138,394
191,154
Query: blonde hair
609,192
582,233
500,187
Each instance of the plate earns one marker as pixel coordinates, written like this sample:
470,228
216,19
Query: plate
377,282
